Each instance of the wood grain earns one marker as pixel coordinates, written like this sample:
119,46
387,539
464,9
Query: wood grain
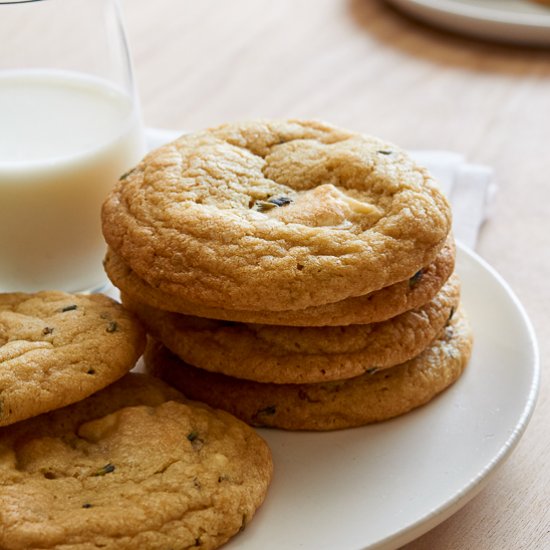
360,64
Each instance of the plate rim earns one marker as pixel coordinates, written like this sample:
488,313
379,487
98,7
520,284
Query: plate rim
471,485
475,485
483,13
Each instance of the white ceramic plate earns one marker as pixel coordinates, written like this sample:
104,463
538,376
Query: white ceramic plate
381,486
519,21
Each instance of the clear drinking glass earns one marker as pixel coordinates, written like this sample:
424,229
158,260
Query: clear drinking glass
69,127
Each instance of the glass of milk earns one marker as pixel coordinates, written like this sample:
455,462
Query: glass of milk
69,128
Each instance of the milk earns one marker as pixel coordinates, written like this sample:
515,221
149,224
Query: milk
64,141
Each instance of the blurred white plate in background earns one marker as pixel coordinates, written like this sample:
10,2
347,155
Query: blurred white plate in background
518,21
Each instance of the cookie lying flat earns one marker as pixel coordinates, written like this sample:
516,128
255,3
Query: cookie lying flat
327,406
275,216
293,355
131,467
58,348
372,308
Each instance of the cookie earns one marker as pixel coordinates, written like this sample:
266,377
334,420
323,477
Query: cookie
134,466
293,355
371,397
58,348
275,216
371,308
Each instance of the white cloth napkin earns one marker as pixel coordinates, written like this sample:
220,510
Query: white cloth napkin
469,187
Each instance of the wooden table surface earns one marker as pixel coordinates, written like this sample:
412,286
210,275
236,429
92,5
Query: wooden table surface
361,65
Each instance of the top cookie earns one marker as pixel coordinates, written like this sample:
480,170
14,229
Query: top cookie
276,216
58,348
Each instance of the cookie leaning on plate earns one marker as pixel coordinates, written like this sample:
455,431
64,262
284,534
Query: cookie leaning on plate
275,216
293,355
371,308
371,397
58,348
134,466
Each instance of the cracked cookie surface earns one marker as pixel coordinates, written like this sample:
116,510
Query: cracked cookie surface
293,355
370,397
133,466
58,348
274,216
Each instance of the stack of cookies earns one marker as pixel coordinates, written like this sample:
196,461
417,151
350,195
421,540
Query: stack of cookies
94,457
294,274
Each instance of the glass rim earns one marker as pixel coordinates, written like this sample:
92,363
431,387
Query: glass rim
11,2
19,1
